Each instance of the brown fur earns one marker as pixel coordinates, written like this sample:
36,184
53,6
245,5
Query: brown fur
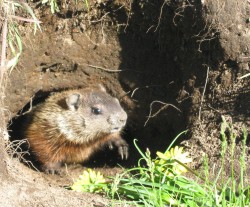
67,129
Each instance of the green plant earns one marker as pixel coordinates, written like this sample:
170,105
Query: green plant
160,184
86,3
55,8
160,181
53,5
175,154
10,30
233,193
90,181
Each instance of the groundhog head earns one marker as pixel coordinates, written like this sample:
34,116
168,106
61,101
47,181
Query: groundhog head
89,114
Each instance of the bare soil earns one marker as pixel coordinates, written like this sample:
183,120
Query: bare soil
173,66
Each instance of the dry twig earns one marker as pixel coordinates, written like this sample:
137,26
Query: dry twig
203,93
105,69
165,105
31,106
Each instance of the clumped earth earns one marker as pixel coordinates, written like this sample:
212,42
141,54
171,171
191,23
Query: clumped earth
174,65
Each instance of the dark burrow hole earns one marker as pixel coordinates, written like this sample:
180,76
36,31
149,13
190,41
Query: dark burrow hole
19,143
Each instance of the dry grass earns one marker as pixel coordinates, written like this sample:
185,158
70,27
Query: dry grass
11,40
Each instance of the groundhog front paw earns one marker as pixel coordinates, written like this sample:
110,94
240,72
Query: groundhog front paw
122,147
53,168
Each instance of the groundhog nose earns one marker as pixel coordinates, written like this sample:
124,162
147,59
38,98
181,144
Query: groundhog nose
123,121
117,121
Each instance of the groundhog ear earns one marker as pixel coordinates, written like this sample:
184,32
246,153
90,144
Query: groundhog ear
73,101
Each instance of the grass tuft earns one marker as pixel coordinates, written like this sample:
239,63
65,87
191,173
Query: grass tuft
10,32
160,182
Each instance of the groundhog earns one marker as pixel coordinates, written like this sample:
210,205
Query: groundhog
71,125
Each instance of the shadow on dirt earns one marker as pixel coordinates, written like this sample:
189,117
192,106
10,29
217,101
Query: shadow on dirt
162,65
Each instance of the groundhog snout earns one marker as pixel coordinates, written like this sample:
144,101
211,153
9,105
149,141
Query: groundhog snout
117,122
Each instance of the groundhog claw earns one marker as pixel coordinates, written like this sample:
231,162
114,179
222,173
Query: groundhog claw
52,171
53,168
121,145
123,152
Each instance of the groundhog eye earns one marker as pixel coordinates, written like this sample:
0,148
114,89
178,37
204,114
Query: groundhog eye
96,110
